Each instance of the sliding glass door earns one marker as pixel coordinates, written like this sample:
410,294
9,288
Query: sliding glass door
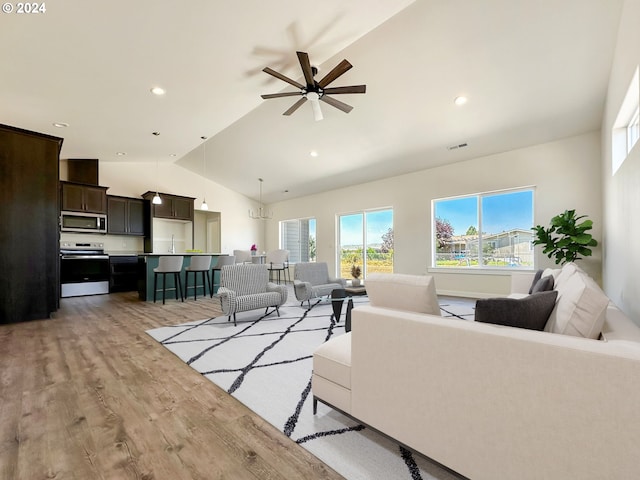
366,240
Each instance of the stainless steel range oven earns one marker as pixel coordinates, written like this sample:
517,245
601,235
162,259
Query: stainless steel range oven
84,269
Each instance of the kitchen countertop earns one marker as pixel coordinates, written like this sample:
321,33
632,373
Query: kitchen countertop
181,253
184,254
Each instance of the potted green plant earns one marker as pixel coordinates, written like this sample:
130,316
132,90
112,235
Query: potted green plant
355,273
566,239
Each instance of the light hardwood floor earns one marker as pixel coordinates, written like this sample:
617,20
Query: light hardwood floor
89,395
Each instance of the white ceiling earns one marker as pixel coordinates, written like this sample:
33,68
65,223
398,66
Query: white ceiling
534,71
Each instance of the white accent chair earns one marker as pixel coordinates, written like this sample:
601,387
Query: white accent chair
278,261
246,287
242,256
312,280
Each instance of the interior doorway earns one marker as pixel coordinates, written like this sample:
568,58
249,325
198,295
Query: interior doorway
207,231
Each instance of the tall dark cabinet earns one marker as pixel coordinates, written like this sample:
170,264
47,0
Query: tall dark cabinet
29,235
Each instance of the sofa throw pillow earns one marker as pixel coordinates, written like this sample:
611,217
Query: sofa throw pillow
543,285
530,312
536,277
411,293
581,306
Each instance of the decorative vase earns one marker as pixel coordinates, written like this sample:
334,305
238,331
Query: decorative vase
355,282
253,253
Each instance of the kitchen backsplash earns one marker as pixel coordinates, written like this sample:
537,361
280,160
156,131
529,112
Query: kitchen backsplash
112,243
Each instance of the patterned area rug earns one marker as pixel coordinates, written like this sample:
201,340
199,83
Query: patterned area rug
266,361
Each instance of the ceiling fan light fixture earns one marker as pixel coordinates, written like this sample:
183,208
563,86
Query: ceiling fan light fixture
314,98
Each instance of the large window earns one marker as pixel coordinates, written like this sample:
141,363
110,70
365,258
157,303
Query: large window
489,230
626,131
299,237
366,240
633,130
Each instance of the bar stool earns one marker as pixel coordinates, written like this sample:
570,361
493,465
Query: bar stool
222,261
168,264
199,263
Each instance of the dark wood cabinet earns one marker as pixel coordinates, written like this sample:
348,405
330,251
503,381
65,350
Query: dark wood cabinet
77,197
123,273
29,232
174,207
125,216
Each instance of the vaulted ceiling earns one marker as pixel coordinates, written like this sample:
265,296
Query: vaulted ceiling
533,71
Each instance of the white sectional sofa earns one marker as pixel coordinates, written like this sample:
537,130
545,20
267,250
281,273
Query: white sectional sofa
490,401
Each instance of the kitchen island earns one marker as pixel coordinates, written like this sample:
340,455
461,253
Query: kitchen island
148,261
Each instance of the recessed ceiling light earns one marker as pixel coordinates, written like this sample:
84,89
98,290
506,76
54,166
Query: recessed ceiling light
158,91
172,154
60,125
121,154
460,100
314,153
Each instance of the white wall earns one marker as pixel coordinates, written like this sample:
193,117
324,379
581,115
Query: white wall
622,191
566,175
238,231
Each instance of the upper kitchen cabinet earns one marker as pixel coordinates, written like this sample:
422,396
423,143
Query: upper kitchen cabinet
173,207
125,216
77,197
29,242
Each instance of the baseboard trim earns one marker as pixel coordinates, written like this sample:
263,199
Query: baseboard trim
458,293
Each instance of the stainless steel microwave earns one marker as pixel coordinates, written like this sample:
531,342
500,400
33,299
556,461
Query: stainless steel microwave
83,222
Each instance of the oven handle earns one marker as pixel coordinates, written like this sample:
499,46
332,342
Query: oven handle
85,257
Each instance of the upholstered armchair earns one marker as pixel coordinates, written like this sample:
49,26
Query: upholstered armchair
311,280
246,287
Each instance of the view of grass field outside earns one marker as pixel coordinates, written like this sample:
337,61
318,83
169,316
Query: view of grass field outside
487,230
366,240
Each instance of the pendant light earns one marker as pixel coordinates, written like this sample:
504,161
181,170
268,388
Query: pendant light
156,199
204,205
261,214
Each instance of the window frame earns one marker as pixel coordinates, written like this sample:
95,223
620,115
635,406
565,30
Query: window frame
622,132
296,256
364,259
633,130
481,268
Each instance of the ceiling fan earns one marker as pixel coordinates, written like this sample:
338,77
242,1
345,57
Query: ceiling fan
316,91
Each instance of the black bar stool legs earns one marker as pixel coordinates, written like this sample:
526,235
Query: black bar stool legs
177,282
206,282
168,264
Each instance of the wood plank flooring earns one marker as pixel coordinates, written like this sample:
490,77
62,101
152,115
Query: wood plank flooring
89,395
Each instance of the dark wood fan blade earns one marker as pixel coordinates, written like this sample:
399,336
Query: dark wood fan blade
351,89
282,77
338,70
337,103
295,106
278,95
303,58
